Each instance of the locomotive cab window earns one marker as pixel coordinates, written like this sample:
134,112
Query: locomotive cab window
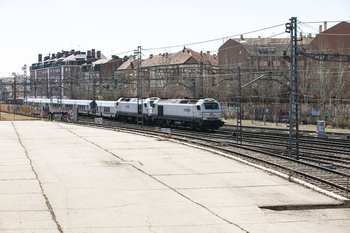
211,106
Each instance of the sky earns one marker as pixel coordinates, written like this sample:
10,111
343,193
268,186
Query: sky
29,28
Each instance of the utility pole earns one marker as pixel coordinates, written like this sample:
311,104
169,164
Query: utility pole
139,119
239,107
14,88
293,146
24,68
60,87
71,85
94,105
35,83
193,79
201,84
47,84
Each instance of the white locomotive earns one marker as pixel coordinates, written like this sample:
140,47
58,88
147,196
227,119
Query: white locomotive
193,113
128,109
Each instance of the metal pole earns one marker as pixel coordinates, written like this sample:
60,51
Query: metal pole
139,117
93,94
239,106
24,68
15,89
60,99
201,85
193,79
47,84
35,83
293,96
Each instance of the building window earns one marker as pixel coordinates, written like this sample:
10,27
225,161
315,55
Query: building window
267,50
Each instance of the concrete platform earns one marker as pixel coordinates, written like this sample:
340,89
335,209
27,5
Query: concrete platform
58,177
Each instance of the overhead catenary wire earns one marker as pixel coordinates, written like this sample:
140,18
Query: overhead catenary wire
205,41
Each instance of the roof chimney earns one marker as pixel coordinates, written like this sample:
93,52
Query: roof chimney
325,25
93,53
40,57
320,30
99,54
53,56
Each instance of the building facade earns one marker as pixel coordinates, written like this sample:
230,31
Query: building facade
326,74
74,74
255,57
182,74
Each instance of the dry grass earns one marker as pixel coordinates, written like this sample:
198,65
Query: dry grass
14,117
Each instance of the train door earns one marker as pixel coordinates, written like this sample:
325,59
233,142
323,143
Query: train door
160,110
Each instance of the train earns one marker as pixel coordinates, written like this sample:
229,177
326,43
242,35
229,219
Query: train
180,112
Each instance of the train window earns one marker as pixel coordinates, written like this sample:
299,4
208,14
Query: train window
106,109
81,107
211,106
198,107
184,101
145,105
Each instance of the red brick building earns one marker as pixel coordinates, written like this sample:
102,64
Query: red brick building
255,57
326,81
319,81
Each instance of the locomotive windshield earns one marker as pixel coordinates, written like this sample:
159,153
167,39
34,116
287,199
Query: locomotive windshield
211,105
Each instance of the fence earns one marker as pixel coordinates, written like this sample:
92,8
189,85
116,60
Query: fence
50,113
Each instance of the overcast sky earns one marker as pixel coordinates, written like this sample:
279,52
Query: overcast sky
113,27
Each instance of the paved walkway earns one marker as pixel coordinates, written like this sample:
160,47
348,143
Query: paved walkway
58,177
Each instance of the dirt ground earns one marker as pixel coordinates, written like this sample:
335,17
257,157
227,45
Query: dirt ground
284,126
15,117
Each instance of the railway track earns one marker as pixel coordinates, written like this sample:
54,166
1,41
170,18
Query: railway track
323,169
